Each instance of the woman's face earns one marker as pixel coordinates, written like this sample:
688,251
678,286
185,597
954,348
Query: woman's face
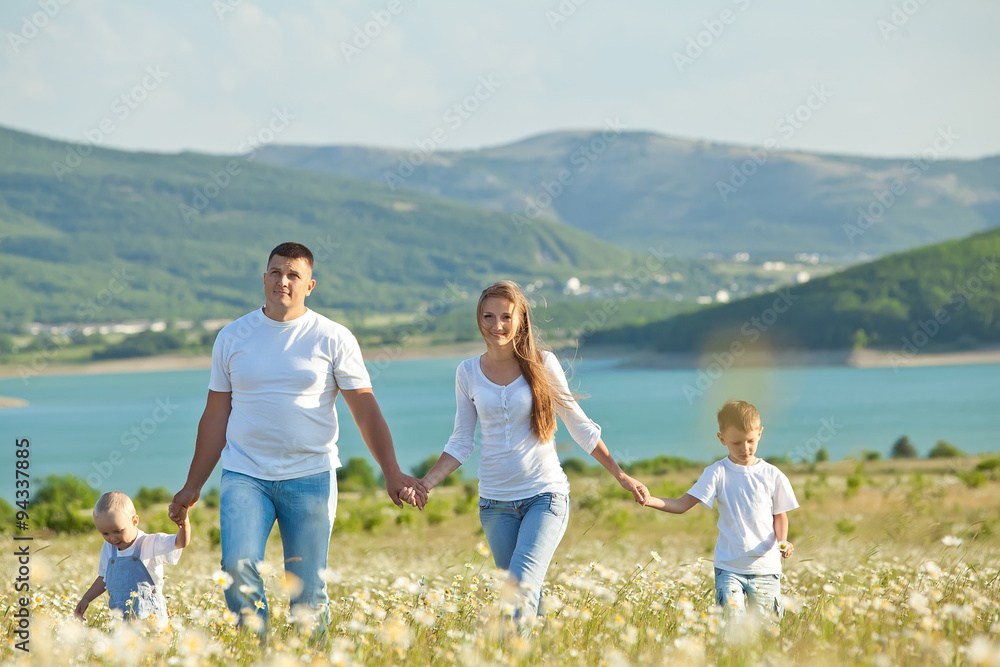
499,322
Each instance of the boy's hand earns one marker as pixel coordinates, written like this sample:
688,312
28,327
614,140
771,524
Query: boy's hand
786,548
81,609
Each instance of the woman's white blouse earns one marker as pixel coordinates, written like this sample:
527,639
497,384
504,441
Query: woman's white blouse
513,464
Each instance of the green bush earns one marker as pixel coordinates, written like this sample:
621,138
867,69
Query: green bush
148,497
822,455
944,450
576,467
64,504
211,499
903,449
357,475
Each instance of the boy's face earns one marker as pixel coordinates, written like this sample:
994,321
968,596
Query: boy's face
742,445
118,528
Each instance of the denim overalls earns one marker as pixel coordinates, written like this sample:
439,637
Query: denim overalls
126,575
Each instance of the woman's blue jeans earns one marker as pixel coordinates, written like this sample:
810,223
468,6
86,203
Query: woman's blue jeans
523,535
304,509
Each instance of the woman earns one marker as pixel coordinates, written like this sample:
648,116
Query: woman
514,391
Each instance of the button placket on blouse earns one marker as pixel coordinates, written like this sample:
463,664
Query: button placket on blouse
506,414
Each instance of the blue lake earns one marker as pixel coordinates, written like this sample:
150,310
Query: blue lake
137,429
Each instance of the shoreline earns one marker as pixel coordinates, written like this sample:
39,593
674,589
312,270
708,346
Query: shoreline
632,358
629,358
169,362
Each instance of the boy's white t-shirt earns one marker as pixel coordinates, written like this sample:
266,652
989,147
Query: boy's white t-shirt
284,378
749,497
153,550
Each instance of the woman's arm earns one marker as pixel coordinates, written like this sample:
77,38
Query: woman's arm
444,466
639,492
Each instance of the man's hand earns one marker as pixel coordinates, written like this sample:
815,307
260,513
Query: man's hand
405,488
182,502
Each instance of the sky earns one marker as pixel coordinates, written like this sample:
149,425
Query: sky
862,77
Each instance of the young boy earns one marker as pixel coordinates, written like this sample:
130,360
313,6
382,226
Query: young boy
753,497
131,562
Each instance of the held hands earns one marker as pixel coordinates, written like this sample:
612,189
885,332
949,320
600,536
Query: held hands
638,490
406,489
183,500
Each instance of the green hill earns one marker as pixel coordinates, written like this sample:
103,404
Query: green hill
943,296
88,234
639,188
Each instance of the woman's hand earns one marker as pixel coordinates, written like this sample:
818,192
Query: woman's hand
638,490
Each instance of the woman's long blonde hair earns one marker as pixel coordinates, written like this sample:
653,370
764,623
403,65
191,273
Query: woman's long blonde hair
529,357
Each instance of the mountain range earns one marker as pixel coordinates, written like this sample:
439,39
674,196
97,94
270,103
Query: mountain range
636,189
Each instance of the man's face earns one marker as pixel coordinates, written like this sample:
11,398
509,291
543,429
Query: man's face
287,283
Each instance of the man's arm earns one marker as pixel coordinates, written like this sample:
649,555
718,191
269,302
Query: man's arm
672,505
375,432
208,448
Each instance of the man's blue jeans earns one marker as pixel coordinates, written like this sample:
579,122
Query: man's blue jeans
763,590
304,509
523,535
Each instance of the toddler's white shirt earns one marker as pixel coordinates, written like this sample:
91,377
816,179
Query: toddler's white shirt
153,550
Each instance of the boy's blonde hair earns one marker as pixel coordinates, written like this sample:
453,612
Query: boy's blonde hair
112,502
740,415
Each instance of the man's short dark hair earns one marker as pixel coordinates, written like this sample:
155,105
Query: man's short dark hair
291,250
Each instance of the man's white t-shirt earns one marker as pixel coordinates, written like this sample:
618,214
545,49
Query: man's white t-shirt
154,551
284,378
749,497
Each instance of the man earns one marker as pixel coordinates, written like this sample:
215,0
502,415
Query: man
270,417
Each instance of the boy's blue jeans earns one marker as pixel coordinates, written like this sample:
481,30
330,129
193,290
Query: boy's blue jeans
523,535
304,509
763,590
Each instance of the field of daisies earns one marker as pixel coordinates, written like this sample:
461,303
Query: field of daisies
895,564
